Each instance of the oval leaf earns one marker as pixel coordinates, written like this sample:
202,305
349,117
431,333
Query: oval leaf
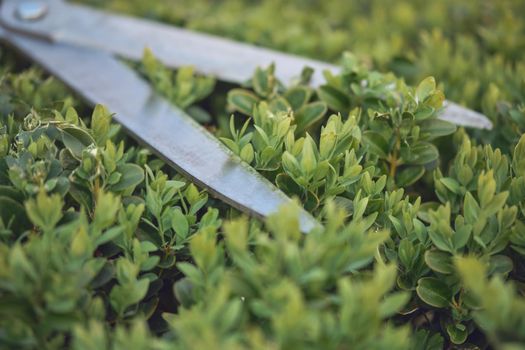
76,140
436,127
422,153
298,96
439,261
309,114
242,101
433,292
410,175
132,175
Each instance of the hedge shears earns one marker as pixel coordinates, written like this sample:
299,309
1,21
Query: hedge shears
82,46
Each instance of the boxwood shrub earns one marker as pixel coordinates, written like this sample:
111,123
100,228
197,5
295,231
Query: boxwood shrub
103,246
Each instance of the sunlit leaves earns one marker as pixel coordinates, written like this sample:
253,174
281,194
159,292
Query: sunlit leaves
45,211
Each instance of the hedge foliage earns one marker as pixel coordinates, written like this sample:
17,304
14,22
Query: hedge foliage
102,246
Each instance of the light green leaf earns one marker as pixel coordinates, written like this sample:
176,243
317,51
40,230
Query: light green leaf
425,88
393,303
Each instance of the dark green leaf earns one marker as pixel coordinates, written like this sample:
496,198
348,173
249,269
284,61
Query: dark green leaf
309,115
241,100
132,175
298,96
434,292
334,98
76,140
375,143
439,261
458,333
422,153
410,175
436,127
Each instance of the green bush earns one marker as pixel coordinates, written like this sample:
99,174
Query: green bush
102,246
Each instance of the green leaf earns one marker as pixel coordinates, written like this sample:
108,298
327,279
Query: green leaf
500,264
334,98
434,292
471,209
247,154
376,143
199,114
45,211
422,153
427,340
472,272
13,215
100,122
497,202
298,96
286,183
264,81
457,333
410,175
436,128
279,104
461,236
308,157
440,242
518,159
109,235
406,251
180,224
132,175
393,303
76,140
183,290
425,89
241,100
451,184
106,209
439,261
190,271
309,115
424,112
123,296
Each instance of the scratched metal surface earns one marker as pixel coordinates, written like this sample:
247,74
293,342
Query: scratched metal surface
226,59
174,136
